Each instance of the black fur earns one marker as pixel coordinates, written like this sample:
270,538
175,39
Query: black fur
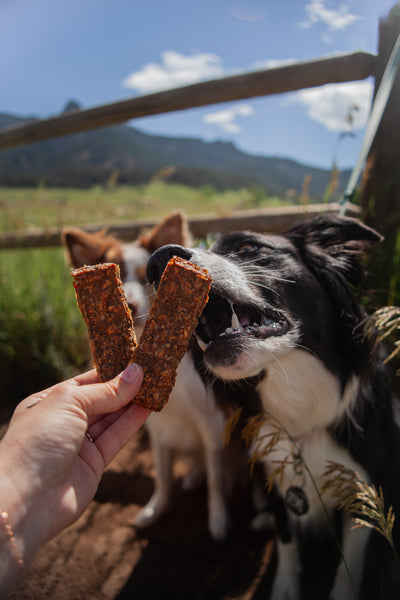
304,282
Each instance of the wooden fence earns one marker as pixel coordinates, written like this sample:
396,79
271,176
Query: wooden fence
336,69
269,219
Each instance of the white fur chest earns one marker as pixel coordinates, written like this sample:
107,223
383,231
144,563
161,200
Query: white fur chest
304,399
302,394
190,417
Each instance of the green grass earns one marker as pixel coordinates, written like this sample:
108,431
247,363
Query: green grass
42,335
27,208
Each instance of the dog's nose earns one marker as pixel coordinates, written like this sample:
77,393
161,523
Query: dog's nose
159,259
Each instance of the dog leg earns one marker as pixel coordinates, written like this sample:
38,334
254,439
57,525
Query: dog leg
264,518
158,503
349,573
218,517
194,478
286,584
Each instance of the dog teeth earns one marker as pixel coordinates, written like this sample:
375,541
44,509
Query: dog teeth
201,343
266,321
235,321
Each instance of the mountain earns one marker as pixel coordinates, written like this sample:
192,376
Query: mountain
88,158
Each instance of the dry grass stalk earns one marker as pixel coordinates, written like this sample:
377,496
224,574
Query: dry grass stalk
385,322
231,424
262,444
352,493
265,444
359,498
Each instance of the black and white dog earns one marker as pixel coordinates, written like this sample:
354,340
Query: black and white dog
284,327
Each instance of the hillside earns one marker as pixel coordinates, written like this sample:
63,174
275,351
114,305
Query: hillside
88,158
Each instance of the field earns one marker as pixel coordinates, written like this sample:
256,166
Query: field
41,332
27,208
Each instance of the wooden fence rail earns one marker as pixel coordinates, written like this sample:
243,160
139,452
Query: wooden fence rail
289,78
271,220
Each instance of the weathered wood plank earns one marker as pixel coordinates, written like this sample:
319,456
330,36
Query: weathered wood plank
336,69
268,220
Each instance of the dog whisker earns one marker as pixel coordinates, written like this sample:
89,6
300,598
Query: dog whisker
142,316
301,347
264,275
265,287
281,367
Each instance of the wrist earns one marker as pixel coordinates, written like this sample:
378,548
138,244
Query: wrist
11,559
19,529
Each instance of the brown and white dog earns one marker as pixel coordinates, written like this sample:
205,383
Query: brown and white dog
85,248
191,422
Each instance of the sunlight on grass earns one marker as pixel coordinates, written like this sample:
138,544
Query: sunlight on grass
42,335
30,208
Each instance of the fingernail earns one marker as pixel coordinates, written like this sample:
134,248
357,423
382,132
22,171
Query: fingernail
132,372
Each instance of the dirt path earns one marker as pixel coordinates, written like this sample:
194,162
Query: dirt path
104,557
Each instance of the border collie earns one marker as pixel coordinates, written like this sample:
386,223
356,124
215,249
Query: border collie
283,327
191,423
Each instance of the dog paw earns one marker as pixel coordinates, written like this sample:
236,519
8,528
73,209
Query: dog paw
145,517
342,592
150,513
285,590
219,526
263,521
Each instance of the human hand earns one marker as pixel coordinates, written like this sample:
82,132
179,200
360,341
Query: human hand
49,467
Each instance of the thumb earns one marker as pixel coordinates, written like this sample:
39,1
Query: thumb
103,398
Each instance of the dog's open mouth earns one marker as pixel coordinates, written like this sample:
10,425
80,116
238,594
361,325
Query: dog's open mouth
222,320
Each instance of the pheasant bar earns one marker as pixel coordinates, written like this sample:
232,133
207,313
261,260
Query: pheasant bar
179,302
103,305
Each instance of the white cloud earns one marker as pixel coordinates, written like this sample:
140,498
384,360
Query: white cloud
174,70
248,10
226,119
334,19
330,104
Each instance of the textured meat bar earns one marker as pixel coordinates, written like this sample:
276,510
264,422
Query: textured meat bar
102,302
179,302
180,299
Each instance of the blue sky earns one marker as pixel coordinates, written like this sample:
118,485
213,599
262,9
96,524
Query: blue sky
101,51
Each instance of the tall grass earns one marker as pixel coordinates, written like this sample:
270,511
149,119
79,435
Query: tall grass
25,208
42,335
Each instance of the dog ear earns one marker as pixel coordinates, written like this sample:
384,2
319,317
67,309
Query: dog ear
336,243
173,229
85,248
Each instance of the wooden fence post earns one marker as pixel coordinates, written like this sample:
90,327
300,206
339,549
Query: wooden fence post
380,190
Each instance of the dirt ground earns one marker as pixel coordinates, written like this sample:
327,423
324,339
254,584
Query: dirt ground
104,557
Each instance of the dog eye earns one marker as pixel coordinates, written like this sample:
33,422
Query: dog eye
244,248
